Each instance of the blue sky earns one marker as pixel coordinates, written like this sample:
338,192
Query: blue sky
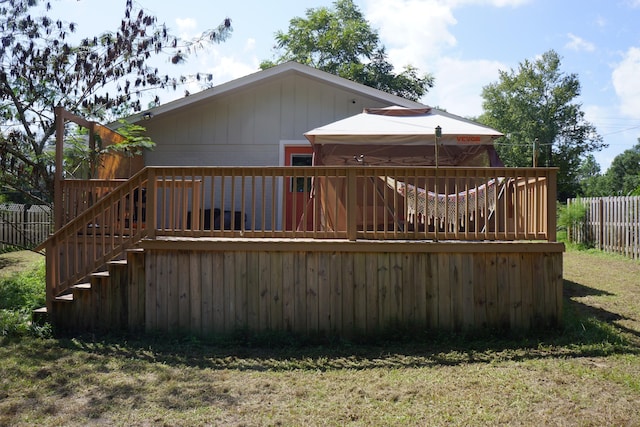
463,43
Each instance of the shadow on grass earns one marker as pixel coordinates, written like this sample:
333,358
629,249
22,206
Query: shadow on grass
7,262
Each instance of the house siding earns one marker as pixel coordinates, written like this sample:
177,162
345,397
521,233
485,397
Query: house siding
244,128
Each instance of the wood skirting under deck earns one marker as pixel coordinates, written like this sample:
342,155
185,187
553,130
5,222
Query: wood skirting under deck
203,286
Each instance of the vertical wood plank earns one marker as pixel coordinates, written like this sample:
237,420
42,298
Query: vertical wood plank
312,291
348,301
264,265
324,293
396,286
300,291
455,281
136,288
183,284
558,282
385,293
372,293
162,291
275,304
413,294
150,300
468,291
444,291
526,285
360,293
195,293
288,290
229,292
253,291
336,285
218,301
515,292
538,310
480,263
240,290
503,297
172,293
207,302
432,289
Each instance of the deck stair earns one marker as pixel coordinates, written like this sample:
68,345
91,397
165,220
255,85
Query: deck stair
111,300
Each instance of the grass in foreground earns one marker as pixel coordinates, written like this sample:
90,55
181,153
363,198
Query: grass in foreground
586,374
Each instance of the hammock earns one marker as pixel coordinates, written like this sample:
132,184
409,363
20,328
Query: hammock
423,204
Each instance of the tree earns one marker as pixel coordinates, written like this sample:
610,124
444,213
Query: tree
537,102
623,176
590,178
40,68
341,42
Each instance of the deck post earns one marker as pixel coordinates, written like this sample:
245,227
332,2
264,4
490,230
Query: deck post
58,175
151,203
50,275
352,230
552,194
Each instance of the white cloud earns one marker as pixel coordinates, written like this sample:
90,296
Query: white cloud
419,32
413,31
250,45
579,44
459,83
626,83
186,25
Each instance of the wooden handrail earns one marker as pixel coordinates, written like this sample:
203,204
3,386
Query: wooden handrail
97,235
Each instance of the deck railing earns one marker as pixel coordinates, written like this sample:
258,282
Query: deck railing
353,203
413,203
100,223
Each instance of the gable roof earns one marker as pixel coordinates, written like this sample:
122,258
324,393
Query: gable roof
285,69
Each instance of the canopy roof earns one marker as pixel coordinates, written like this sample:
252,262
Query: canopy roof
403,126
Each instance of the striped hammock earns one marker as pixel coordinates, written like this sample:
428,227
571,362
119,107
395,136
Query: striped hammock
423,204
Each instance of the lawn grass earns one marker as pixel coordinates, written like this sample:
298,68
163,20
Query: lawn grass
587,373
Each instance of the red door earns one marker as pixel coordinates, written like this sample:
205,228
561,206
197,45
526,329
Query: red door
298,188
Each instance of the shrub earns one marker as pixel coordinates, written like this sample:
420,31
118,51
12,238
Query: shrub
25,290
20,293
572,216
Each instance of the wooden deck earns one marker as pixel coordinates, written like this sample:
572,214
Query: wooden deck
150,255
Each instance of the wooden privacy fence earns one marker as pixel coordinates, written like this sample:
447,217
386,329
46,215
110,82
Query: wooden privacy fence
24,226
612,224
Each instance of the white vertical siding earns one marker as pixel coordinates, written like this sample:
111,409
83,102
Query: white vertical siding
244,128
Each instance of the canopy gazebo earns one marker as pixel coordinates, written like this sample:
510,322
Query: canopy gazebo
397,136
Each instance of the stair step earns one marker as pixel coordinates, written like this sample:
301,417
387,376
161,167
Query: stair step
40,315
82,286
118,262
64,298
100,274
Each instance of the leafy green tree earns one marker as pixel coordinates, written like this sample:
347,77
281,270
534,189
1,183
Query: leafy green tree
590,177
537,103
623,176
40,68
341,42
